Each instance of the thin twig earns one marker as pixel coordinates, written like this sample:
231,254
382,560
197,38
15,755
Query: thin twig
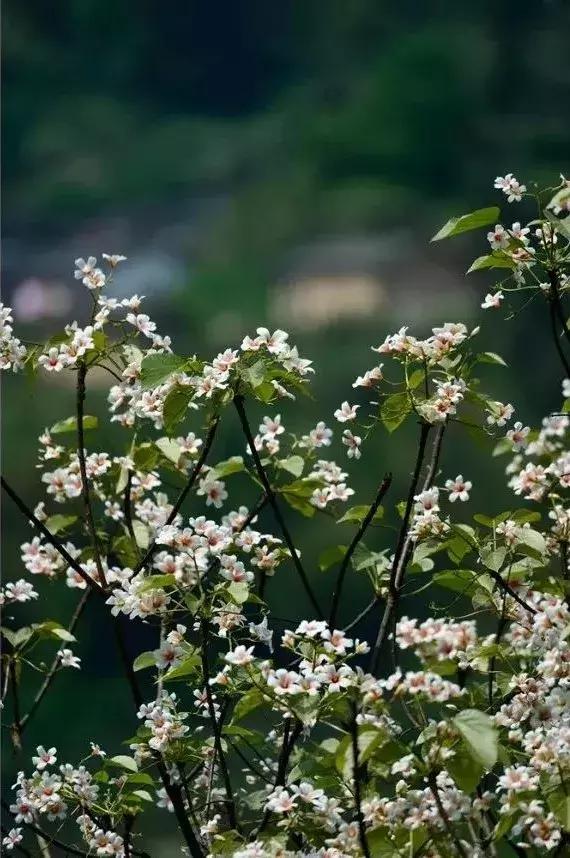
356,770
240,408
358,536
59,547
85,485
195,473
173,791
230,801
400,557
432,780
50,675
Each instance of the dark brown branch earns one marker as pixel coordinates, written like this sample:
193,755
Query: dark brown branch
195,473
240,408
59,547
173,791
400,555
556,336
432,780
356,772
290,736
230,801
85,487
50,675
358,536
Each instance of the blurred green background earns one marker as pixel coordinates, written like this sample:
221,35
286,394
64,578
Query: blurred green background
265,163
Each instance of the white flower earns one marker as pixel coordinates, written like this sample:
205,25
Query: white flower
458,488
346,412
353,443
67,659
44,758
498,238
492,300
240,656
113,259
518,436
12,838
511,187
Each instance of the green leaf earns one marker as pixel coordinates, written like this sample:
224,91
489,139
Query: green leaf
254,374
156,368
123,762
467,222
358,513
493,558
56,523
497,259
170,449
491,357
175,407
249,701
53,629
480,736
559,804
464,769
145,456
157,582
19,636
144,660
141,533
293,464
233,465
457,580
380,844
531,542
369,738
187,666
394,410
239,591
70,424
330,556
143,794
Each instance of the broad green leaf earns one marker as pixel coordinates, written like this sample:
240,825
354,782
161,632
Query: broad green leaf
254,374
394,410
233,465
497,259
17,637
457,580
70,424
123,762
187,666
464,769
157,582
141,533
175,407
56,523
467,222
170,449
239,591
330,556
358,513
145,456
53,629
293,464
493,558
156,368
559,804
249,701
480,736
491,357
144,660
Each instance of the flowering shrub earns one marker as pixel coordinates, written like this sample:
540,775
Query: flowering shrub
313,742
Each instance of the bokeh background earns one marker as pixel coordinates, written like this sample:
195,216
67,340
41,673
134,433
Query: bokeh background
265,163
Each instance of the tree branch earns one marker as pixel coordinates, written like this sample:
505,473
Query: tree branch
358,536
239,404
195,473
50,675
59,547
85,488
